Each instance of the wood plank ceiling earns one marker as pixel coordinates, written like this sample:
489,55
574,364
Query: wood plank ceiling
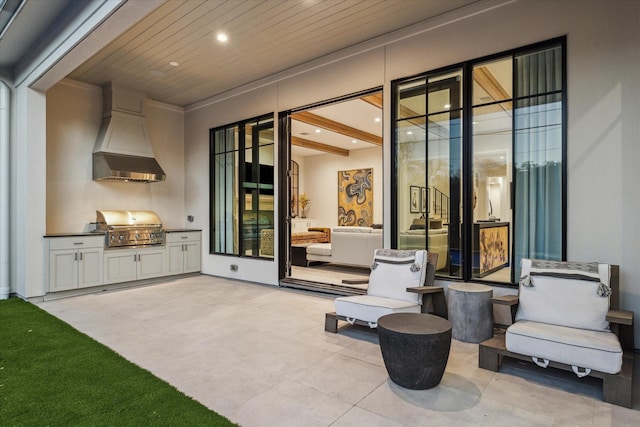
265,37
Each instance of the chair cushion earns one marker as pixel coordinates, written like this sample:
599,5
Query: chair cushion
598,350
370,308
394,271
564,301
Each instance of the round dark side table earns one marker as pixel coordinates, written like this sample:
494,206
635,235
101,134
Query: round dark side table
415,348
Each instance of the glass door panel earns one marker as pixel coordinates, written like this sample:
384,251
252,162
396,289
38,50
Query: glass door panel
492,178
444,176
492,130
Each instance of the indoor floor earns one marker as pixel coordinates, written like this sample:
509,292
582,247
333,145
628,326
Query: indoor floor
259,355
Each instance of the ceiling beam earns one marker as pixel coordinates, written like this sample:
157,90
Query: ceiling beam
487,81
305,143
315,120
374,99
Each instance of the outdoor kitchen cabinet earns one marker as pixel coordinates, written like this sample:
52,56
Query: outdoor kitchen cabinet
183,252
126,265
75,262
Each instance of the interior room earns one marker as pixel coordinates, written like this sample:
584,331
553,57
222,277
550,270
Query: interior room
336,189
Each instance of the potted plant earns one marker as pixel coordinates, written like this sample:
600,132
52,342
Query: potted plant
304,202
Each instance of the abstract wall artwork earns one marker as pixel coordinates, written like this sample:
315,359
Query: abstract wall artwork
493,241
355,197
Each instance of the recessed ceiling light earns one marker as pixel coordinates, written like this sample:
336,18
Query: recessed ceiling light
409,133
475,123
377,119
174,63
222,37
317,130
501,157
447,105
354,141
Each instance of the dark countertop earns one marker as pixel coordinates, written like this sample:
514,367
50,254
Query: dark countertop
102,233
88,233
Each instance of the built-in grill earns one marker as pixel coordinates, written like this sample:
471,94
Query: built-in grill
130,228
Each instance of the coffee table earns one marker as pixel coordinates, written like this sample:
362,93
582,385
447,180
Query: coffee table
415,348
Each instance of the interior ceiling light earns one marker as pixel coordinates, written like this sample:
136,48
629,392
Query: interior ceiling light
409,133
354,141
377,119
317,130
447,106
222,37
174,63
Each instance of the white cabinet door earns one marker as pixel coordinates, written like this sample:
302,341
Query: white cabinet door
302,225
175,258
298,226
150,263
184,252
90,267
120,265
192,254
63,270
75,261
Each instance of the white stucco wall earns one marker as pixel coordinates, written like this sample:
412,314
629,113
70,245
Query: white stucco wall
196,191
321,182
603,101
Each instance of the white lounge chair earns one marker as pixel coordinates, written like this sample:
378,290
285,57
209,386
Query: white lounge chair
567,317
401,281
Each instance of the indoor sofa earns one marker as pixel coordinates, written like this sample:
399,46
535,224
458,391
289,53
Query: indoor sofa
437,242
349,246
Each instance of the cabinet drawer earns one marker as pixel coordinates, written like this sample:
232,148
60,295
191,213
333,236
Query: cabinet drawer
182,236
78,242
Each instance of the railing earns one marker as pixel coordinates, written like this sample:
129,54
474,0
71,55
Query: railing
441,205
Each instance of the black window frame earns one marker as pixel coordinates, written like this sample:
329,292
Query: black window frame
256,181
467,151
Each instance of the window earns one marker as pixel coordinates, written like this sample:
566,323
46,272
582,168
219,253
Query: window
242,188
484,142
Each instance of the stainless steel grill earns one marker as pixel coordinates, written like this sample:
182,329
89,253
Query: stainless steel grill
130,228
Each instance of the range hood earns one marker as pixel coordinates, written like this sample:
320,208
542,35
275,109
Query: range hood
123,151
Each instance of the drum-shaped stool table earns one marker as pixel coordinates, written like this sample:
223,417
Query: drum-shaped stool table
415,348
470,311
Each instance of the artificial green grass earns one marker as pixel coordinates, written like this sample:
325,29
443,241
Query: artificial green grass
53,375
